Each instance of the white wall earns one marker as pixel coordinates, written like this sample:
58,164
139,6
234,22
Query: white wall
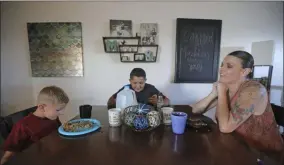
243,24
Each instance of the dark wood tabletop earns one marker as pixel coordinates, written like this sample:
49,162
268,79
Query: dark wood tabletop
122,146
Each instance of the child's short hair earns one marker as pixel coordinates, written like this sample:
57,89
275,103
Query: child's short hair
138,72
52,94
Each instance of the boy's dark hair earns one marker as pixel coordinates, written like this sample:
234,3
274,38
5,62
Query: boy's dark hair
138,72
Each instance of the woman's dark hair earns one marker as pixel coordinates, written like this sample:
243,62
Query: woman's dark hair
247,60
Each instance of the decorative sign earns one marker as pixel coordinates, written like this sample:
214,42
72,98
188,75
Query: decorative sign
197,50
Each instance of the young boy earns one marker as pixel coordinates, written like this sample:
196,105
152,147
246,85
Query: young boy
51,102
145,93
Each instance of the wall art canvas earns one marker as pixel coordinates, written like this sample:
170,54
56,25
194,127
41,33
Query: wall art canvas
56,49
121,28
149,33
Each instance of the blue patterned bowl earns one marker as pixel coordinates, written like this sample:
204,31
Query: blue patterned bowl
141,117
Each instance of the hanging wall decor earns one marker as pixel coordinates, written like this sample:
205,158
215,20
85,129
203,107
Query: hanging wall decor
140,53
55,49
139,48
197,50
111,44
149,33
121,28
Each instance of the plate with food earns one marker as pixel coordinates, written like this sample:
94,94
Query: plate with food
198,125
79,127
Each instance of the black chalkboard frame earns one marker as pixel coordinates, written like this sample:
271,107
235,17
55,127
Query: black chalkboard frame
217,44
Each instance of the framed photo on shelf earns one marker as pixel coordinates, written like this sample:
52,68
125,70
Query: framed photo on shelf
140,53
149,32
120,28
125,59
111,44
128,48
139,57
150,52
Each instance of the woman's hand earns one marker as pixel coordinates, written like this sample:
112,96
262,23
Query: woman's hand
218,88
214,91
221,88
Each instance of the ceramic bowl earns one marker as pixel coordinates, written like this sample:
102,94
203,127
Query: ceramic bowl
141,117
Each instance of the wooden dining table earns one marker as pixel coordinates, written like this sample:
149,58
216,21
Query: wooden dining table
123,146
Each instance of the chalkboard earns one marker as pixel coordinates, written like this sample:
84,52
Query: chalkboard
197,50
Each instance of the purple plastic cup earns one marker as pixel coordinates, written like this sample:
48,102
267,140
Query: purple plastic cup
178,122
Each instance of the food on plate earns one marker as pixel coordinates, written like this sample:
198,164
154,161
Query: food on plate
78,126
193,119
196,123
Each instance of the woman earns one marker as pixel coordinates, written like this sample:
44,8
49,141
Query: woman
242,104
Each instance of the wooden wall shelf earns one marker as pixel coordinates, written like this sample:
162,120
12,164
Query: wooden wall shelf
130,49
111,44
140,53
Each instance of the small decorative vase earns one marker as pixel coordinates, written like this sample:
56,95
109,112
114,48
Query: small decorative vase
154,118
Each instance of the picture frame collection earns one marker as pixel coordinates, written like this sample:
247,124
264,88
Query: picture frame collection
139,48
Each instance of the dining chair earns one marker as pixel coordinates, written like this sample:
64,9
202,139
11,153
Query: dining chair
279,115
7,122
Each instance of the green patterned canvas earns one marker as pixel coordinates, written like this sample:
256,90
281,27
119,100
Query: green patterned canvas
55,49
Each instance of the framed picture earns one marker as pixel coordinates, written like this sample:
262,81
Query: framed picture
121,28
128,48
150,52
141,53
149,33
139,57
111,44
125,59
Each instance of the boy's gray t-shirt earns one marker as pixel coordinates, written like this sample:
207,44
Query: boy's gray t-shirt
143,96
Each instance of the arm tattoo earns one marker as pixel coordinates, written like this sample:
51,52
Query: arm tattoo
239,113
250,100
246,102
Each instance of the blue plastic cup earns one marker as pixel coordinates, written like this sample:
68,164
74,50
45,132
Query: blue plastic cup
178,122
